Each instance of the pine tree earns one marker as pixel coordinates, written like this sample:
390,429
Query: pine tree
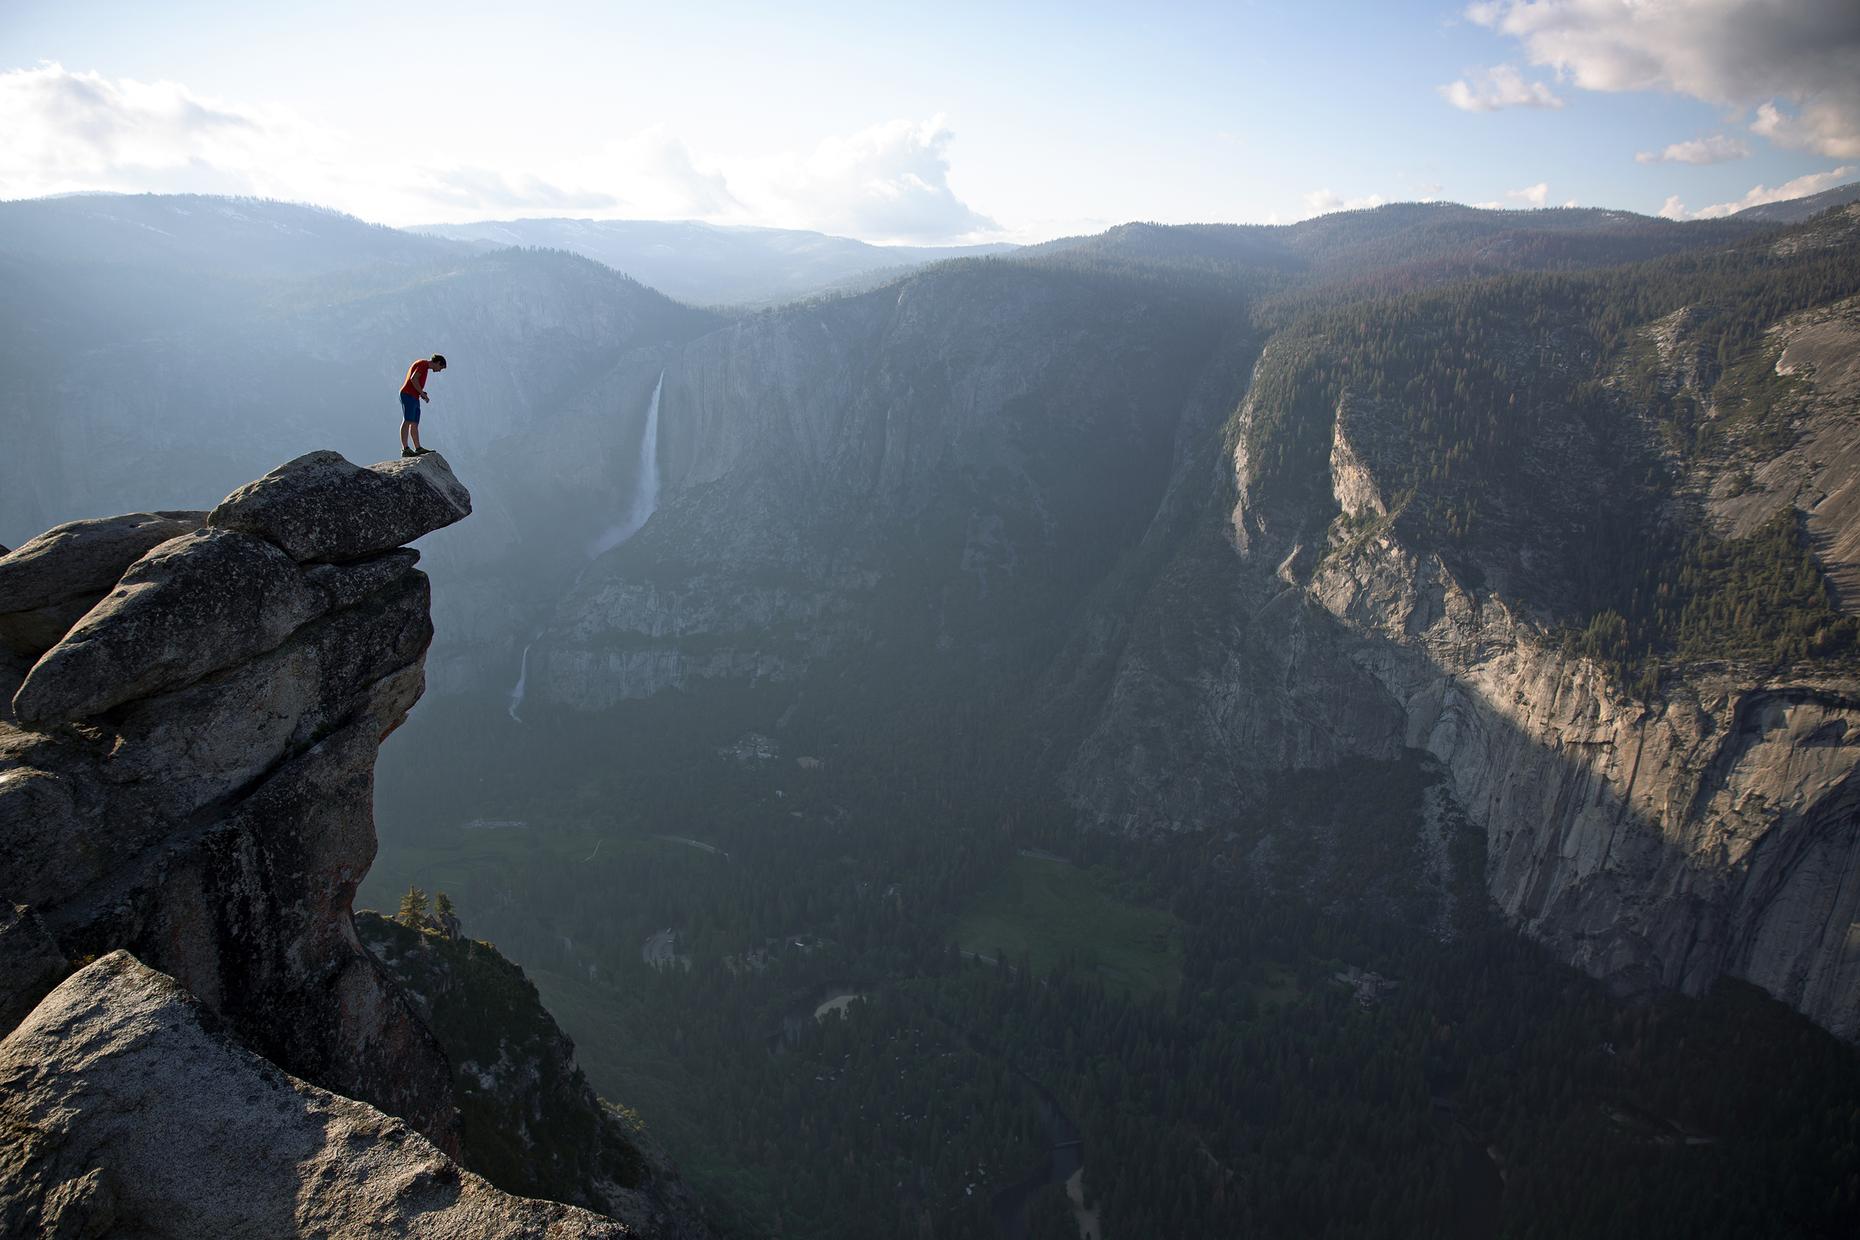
412,908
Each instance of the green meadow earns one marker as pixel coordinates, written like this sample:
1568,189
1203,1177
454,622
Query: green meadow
1048,910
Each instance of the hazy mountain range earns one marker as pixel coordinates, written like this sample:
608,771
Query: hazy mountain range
1361,598
711,264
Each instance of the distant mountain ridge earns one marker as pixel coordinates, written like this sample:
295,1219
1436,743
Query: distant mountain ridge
251,236
1795,210
711,264
1407,245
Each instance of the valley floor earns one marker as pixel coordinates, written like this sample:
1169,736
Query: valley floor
1180,1000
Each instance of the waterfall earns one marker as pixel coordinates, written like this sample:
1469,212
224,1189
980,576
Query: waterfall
523,679
645,483
645,502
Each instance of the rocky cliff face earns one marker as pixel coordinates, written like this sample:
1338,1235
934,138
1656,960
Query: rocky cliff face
186,774
1658,841
530,1120
1817,354
1713,829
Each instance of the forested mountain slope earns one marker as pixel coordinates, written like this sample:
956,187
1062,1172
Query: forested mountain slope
1584,569
1186,526
1405,245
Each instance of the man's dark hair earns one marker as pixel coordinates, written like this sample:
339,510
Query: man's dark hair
439,360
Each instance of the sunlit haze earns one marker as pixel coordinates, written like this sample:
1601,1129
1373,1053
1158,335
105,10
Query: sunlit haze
958,123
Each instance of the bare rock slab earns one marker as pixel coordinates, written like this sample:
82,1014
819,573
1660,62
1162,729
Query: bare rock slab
322,507
52,580
123,1112
195,604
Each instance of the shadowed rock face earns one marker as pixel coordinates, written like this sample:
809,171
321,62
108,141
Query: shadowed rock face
124,1110
212,811
1661,845
531,1123
30,962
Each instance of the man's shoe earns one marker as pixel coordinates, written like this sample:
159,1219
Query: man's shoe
408,452
421,451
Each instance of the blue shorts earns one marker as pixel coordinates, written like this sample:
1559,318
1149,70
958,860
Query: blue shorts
410,408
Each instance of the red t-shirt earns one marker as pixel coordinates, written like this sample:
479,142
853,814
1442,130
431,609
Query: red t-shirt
416,378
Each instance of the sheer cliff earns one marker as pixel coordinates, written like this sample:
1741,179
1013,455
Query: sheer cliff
1592,564
195,702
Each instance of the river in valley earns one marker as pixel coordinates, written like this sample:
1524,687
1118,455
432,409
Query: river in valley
1064,1164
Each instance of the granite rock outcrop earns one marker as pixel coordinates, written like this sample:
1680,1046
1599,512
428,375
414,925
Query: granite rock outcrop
1656,841
189,777
320,507
186,785
50,581
126,1110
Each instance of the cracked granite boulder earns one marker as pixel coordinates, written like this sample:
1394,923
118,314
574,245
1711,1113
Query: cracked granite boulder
125,1109
52,580
321,507
189,775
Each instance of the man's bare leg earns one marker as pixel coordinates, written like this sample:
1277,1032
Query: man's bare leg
416,435
403,435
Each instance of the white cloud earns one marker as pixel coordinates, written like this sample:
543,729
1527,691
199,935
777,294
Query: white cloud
1716,149
1532,195
67,131
74,131
1801,187
889,182
1501,86
1747,54
1673,209
1325,201
481,187
1827,128
656,174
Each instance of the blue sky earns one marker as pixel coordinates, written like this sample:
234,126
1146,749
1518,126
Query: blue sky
933,124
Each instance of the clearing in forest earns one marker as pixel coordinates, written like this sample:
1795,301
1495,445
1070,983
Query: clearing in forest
1048,910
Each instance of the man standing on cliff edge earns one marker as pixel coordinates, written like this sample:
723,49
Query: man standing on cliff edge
412,392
